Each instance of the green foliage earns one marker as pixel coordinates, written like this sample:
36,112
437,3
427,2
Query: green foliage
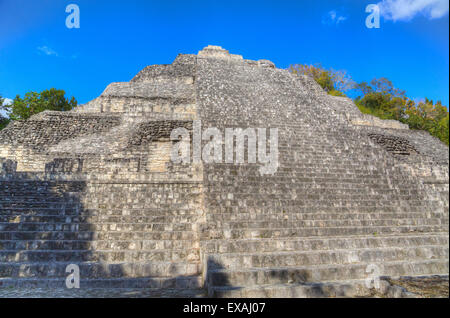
430,117
3,122
336,93
34,103
373,112
442,130
381,99
333,82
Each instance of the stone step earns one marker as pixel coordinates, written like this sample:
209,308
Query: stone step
217,217
319,191
36,197
312,244
302,188
40,186
173,226
276,224
291,209
105,205
99,255
308,188
43,204
314,200
77,211
290,216
303,182
323,273
81,197
176,283
244,207
343,289
163,219
427,205
322,232
326,179
132,245
85,209
323,257
96,227
64,292
164,211
301,163
310,183
99,270
358,170
78,235
349,176
230,246
296,197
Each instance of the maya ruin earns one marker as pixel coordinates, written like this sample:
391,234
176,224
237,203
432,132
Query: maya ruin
352,195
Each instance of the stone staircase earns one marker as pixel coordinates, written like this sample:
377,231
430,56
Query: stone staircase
353,198
340,219
47,225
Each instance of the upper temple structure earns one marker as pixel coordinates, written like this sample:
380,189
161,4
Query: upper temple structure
97,187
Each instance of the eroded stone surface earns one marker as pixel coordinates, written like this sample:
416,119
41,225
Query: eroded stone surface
96,187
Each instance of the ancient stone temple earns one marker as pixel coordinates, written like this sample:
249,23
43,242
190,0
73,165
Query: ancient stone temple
352,195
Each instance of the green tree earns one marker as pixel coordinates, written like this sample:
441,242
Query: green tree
442,130
33,103
3,122
334,82
382,99
428,116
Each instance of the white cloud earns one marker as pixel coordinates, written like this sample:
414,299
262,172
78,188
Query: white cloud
47,51
333,18
419,100
6,101
405,10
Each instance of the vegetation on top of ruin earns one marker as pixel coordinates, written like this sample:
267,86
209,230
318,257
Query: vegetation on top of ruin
379,98
382,99
33,103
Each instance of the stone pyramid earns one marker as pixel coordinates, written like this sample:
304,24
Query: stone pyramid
352,195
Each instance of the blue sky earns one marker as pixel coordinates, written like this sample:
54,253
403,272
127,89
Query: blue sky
116,39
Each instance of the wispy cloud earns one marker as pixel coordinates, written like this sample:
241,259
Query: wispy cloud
333,18
47,50
405,10
6,101
419,100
